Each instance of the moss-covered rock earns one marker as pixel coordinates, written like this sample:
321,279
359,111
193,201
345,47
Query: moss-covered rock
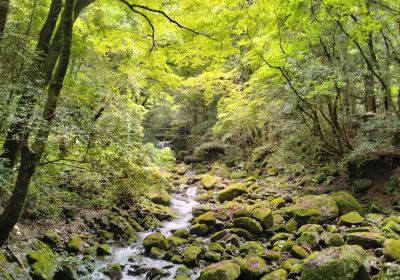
114,271
103,250
42,262
350,219
310,228
252,248
367,240
213,256
52,238
191,254
174,241
291,226
205,196
263,216
346,203
334,263
310,239
224,270
314,209
252,267
155,239
207,218
278,202
162,198
334,240
362,185
279,274
230,192
391,249
74,244
200,209
299,252
242,233
216,247
392,230
199,229
389,271
248,224
238,174
210,181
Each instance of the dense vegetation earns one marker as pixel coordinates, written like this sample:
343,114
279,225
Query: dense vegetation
92,91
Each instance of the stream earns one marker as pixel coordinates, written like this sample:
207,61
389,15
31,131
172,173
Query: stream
133,259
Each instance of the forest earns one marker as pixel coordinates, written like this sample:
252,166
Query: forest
210,140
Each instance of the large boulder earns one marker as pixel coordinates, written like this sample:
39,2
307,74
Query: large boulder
350,219
248,224
210,181
314,209
343,262
389,271
155,239
346,203
264,216
206,218
224,270
367,240
191,254
391,249
230,192
252,267
279,274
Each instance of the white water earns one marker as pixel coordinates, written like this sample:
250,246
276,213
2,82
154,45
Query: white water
182,205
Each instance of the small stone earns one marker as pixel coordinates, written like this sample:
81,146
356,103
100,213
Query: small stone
155,239
252,267
103,250
350,219
74,244
299,252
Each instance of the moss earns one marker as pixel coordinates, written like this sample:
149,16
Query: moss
191,254
155,239
114,271
389,271
242,233
308,238
103,249
207,218
204,196
310,228
105,234
346,203
252,267
199,229
230,192
334,239
248,224
263,216
238,174
74,244
252,248
157,253
362,185
279,274
391,249
213,256
216,247
291,226
278,202
334,263
299,252
224,270
42,262
174,241
351,218
367,240
210,181
51,237
392,230
162,198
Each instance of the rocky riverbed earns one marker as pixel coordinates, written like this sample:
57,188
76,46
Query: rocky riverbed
223,224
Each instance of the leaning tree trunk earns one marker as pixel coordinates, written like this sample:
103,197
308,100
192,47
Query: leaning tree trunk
4,7
30,156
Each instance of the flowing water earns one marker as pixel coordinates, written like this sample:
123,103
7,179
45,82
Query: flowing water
133,257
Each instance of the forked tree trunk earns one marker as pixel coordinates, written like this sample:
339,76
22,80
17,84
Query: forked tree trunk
30,156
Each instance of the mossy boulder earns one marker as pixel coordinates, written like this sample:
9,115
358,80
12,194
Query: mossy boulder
74,244
252,267
310,239
42,262
248,224
157,253
238,174
367,240
279,274
252,248
310,228
291,226
103,250
343,262
263,216
162,198
224,270
362,185
155,239
205,196
346,203
391,249
206,218
199,229
114,271
392,230
350,219
230,192
191,255
216,247
299,252
389,271
242,233
314,209
200,209
52,238
334,240
210,181
174,241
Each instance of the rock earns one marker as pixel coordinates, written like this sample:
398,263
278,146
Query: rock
389,271
157,253
350,219
343,262
320,178
310,228
210,181
362,185
391,249
252,248
65,272
263,216
206,218
242,233
252,267
155,239
161,198
219,235
52,238
181,233
114,271
204,196
367,240
290,264
334,240
191,254
392,230
308,239
103,250
156,273
278,202
42,262
238,174
106,235
230,192
197,210
248,224
74,244
314,209
199,229
272,256
279,274
224,270
346,203
216,247
213,256
174,241
299,252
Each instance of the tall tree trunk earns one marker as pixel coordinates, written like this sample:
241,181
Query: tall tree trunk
30,157
369,90
4,7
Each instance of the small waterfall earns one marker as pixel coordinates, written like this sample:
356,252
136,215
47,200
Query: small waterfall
163,144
